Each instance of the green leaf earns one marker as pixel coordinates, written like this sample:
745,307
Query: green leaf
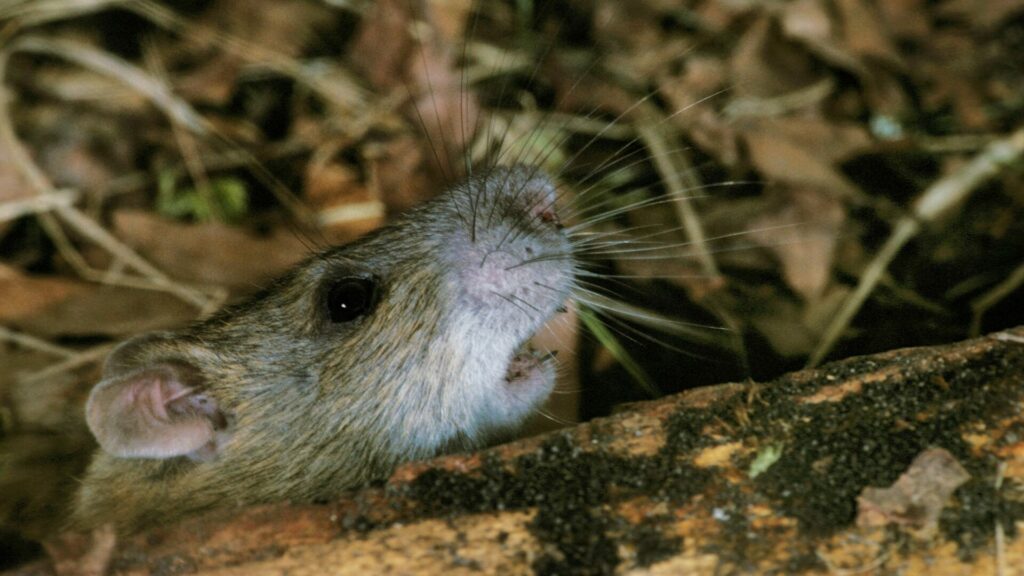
227,199
609,341
765,459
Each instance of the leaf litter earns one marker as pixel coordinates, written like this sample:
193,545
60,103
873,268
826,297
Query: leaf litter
779,145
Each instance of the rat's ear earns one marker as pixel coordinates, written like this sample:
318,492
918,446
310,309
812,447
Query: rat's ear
157,411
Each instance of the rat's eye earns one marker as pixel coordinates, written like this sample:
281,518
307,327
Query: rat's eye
350,298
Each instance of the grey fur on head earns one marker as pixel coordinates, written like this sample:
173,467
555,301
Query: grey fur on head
273,400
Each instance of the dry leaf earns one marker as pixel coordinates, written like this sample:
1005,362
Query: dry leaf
802,232
780,321
40,474
865,34
808,20
780,160
213,83
108,311
444,112
398,175
447,112
382,48
982,14
833,141
12,185
907,19
917,498
22,296
765,64
211,253
49,405
80,150
345,207
286,27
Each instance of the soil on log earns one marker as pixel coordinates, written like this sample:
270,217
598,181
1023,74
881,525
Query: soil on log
908,461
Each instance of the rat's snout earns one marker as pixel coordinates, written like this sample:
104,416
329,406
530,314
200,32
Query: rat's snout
509,260
496,275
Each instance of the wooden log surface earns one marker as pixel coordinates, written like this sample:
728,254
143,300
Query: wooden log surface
907,462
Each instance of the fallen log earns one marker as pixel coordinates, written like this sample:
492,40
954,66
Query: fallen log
908,461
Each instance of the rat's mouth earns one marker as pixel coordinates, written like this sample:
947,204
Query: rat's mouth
528,366
531,368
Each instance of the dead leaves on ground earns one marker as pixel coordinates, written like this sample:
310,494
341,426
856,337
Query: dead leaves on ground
783,96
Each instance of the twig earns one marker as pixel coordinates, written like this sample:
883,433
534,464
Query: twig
187,144
673,179
82,358
35,12
740,108
89,57
156,90
941,197
19,207
68,214
954,143
214,161
347,93
982,303
34,343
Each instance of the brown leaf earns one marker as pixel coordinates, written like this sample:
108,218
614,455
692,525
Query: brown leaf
286,27
629,24
865,34
449,19
213,82
425,67
383,45
80,150
108,311
398,174
863,47
12,185
917,497
765,64
41,472
447,114
22,296
779,319
908,19
345,207
833,141
281,29
210,253
808,20
802,232
780,160
694,97
49,405
982,14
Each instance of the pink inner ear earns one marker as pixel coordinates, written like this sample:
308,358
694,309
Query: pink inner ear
153,413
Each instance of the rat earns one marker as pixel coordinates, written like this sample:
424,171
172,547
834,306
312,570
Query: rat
407,343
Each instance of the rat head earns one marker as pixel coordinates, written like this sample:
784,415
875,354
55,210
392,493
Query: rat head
405,343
